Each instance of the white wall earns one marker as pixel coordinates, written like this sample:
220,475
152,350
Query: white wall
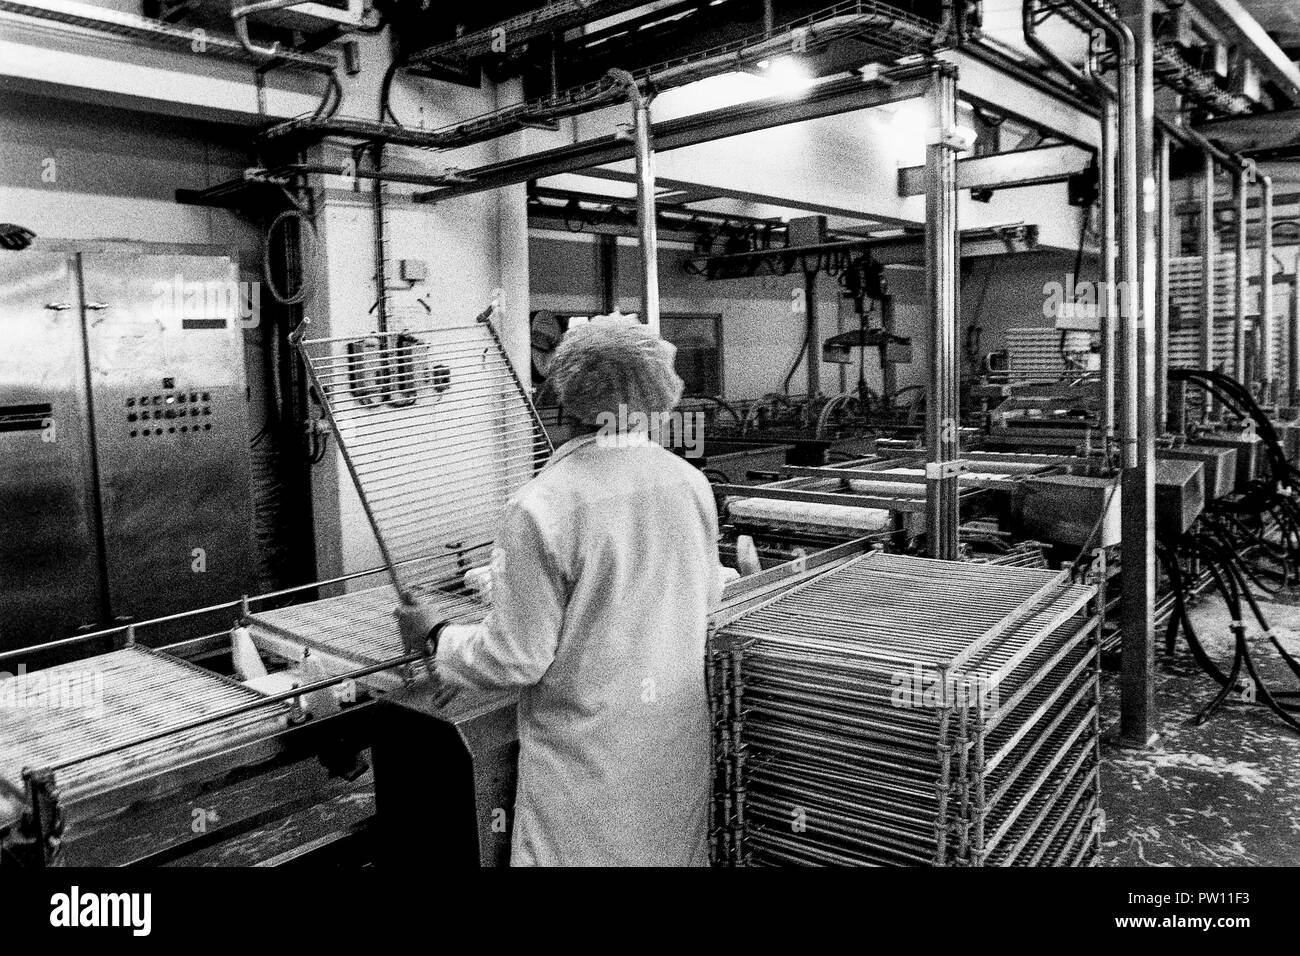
761,336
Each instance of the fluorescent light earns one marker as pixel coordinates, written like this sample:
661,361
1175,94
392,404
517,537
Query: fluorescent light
788,75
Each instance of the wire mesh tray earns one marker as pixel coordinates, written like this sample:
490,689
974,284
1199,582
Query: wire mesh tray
903,711
103,702
437,433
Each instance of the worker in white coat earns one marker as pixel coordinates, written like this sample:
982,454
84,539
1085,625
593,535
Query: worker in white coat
605,572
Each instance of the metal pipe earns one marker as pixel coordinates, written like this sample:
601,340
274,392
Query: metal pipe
941,292
1110,307
239,15
1135,96
1163,218
1293,338
1207,271
645,194
1138,492
1268,357
813,357
1239,300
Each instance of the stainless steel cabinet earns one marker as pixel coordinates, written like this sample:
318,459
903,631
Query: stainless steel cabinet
50,575
141,505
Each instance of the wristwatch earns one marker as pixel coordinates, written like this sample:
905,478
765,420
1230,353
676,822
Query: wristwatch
435,633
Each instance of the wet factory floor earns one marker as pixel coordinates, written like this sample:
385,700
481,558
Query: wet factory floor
1222,793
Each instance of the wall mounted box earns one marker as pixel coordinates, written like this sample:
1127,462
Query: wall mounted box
1180,495
1247,447
1220,465
1064,509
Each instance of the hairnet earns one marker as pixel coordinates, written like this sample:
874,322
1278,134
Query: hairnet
614,361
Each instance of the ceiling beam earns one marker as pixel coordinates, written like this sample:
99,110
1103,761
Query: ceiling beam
826,99
1238,24
1022,167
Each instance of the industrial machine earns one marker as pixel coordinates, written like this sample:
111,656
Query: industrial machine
124,462
437,432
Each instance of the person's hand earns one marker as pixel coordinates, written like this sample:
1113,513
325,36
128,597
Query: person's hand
416,622
15,237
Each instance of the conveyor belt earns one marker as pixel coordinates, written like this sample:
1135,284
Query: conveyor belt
354,629
102,702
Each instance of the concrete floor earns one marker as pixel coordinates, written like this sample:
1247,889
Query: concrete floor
1226,793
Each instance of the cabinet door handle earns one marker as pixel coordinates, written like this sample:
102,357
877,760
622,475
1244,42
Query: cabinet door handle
96,306
58,306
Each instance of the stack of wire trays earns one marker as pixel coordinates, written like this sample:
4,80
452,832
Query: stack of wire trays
906,711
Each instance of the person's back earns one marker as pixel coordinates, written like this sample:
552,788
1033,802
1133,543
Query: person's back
620,719
605,570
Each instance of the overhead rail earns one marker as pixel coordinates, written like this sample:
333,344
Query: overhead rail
555,17
889,34
131,26
1179,75
829,98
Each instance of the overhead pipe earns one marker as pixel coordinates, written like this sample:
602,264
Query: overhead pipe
239,17
647,217
119,23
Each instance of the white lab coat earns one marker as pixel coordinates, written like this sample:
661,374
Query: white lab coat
604,577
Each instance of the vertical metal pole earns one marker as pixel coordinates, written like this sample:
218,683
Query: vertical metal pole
888,370
1163,210
1207,271
941,302
813,358
1137,255
1267,328
1109,132
645,193
1239,300
1293,338
646,214
608,273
